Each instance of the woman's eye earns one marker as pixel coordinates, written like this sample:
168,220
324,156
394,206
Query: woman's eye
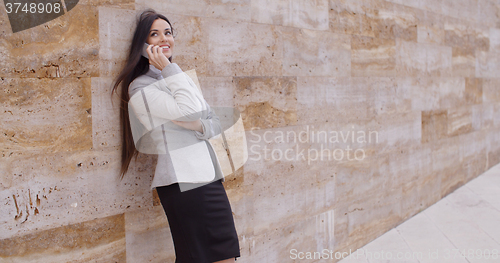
166,33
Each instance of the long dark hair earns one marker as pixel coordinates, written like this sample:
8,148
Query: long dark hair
135,66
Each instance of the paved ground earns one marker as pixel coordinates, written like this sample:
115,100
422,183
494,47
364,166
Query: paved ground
462,227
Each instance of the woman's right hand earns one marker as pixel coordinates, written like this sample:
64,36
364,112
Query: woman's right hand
156,57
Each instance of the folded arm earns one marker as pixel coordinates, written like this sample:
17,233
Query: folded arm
211,126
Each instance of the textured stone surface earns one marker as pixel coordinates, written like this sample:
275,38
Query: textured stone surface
415,59
64,47
50,190
379,19
315,53
101,239
45,115
115,34
299,13
266,102
225,41
373,56
421,77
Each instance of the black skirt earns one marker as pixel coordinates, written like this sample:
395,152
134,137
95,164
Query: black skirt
201,223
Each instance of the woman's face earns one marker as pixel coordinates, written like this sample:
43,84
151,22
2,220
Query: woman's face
161,34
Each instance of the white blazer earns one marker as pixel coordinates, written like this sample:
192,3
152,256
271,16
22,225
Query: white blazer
184,155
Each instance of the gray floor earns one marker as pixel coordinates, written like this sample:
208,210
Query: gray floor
462,227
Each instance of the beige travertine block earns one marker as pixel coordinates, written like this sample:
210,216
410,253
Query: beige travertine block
433,93
383,95
411,58
344,17
446,153
307,14
482,116
463,9
461,34
474,90
323,99
45,115
283,197
232,9
496,117
434,125
464,61
430,34
399,21
474,151
355,178
312,234
373,56
227,39
411,3
100,239
5,181
385,135
434,6
494,39
421,188
106,130
459,120
116,29
294,13
491,92
398,130
64,47
465,41
49,190
180,7
487,64
266,102
124,4
383,208
339,99
430,28
493,147
380,19
315,53
488,13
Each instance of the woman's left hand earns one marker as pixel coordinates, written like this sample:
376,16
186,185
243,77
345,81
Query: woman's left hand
190,125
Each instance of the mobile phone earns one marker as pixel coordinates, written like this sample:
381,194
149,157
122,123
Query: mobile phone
144,52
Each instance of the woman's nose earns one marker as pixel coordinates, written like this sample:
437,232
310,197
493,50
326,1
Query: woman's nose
163,37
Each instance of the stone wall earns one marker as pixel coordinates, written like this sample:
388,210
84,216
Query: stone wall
422,75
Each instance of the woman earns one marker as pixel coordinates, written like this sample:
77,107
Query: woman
200,219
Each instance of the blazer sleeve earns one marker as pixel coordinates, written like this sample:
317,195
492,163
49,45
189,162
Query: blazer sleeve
211,126
182,104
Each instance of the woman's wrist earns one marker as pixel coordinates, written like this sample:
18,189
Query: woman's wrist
200,126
